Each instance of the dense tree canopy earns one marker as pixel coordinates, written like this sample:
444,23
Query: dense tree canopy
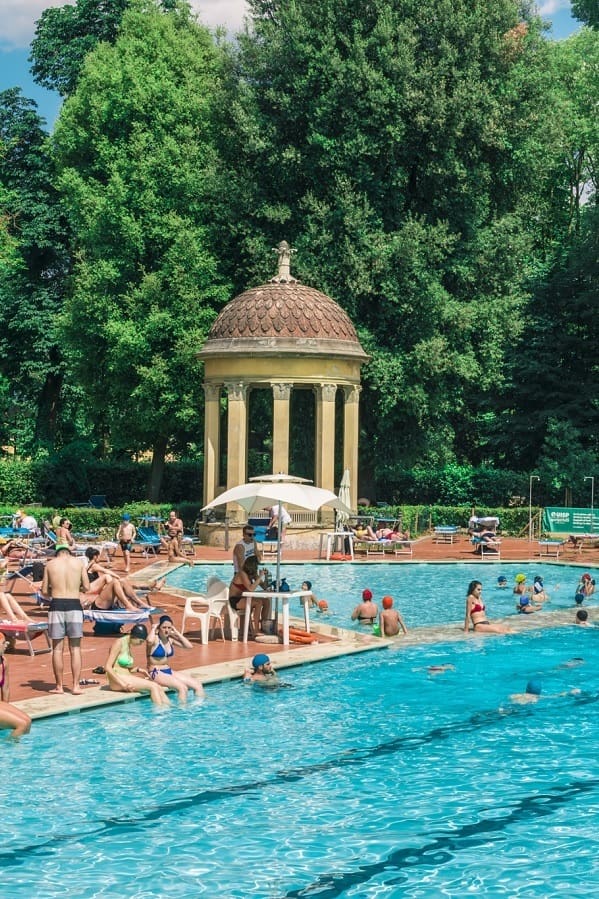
135,150
434,163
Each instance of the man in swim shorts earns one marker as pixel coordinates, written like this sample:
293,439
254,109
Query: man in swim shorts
64,579
126,535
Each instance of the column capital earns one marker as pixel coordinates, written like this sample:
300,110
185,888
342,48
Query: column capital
212,391
236,390
352,393
327,392
281,391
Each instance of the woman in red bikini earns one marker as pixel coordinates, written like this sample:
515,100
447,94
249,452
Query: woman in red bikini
248,580
476,613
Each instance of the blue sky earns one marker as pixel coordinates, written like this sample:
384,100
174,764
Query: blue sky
18,17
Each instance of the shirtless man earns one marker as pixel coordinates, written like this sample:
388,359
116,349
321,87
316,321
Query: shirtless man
174,539
125,536
64,579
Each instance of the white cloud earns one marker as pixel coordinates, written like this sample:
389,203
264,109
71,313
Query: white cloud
18,17
549,7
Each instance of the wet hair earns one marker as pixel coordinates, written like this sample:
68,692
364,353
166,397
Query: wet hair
582,615
91,552
471,587
138,632
163,620
308,584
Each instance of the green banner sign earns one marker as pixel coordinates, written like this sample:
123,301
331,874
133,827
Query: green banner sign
570,521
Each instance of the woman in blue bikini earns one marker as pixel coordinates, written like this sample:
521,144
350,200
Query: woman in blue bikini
160,647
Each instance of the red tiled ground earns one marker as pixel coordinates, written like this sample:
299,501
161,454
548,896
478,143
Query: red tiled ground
33,676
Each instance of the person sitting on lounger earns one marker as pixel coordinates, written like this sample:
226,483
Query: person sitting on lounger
160,648
121,669
106,590
10,716
363,532
9,607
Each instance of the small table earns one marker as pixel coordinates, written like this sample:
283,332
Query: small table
550,547
331,539
284,597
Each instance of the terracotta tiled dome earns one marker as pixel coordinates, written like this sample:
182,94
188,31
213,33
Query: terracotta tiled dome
287,310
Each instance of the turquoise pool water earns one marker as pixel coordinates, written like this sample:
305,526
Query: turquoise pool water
424,593
370,778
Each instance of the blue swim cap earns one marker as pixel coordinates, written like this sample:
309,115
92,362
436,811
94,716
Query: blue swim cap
534,687
538,579
126,517
524,600
578,599
502,579
260,659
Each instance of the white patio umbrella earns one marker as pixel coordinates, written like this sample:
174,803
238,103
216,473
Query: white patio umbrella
342,516
273,489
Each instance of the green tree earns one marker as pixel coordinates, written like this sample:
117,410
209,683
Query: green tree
135,145
33,273
65,35
385,139
587,11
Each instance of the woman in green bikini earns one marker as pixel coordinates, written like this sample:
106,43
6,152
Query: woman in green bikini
121,668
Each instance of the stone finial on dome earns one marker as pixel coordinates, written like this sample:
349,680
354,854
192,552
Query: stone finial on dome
284,275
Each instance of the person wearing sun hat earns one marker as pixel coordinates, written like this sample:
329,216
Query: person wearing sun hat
261,672
366,612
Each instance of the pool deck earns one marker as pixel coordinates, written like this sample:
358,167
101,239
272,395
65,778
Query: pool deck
31,677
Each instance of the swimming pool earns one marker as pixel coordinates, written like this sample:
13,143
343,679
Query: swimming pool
425,594
370,778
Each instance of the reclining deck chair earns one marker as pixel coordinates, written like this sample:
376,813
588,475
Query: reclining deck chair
148,539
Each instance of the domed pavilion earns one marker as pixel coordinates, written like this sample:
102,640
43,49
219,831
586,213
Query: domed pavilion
282,336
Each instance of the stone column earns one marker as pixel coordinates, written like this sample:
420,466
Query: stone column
280,431
237,430
325,435
211,440
351,434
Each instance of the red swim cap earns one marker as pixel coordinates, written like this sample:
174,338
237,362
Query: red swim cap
387,602
323,604
586,577
366,595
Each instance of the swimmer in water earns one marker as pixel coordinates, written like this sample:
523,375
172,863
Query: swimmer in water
533,693
261,673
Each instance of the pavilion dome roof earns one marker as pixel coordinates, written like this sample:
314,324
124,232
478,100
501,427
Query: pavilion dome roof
284,312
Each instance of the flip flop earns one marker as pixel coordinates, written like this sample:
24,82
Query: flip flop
88,682
98,670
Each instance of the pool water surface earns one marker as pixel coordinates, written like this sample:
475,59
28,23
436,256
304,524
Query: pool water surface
374,775
425,594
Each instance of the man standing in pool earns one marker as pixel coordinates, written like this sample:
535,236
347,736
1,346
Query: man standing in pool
64,579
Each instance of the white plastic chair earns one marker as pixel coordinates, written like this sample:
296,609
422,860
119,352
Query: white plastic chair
214,587
207,606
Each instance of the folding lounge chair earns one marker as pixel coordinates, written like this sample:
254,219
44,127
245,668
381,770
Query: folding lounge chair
148,540
486,549
27,632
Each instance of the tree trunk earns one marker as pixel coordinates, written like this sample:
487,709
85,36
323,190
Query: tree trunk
48,407
157,469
